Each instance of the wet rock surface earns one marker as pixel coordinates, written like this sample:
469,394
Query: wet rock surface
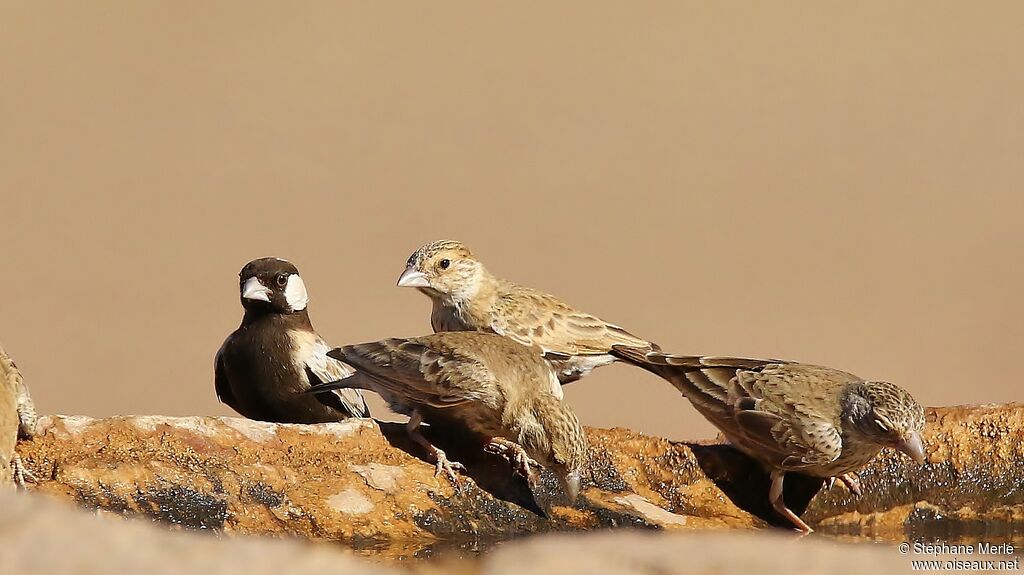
354,482
44,537
365,484
972,486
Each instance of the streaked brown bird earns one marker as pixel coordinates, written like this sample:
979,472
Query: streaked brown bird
484,384
17,418
266,365
467,297
795,417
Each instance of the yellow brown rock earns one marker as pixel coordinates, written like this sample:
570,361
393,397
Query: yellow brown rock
971,485
364,483
41,537
32,529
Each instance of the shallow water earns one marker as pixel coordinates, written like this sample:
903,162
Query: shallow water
939,533
997,535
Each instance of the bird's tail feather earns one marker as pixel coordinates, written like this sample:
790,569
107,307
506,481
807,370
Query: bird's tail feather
704,380
354,381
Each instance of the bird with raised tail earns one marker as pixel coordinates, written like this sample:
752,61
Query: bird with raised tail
466,297
491,389
275,355
795,417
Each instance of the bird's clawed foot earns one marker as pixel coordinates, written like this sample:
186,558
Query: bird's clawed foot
448,467
21,473
852,482
442,463
515,454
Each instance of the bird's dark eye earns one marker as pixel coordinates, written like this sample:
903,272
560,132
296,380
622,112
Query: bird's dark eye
445,263
282,280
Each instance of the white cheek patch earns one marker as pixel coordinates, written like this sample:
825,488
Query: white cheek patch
295,293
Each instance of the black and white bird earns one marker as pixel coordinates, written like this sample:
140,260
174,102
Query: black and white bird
266,365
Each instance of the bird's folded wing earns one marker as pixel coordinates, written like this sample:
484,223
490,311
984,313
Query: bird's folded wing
432,375
789,412
778,409
322,369
220,379
534,318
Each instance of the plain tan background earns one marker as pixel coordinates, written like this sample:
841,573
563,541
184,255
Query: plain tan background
813,181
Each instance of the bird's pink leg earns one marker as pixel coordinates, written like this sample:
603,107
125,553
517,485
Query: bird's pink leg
775,496
435,453
515,454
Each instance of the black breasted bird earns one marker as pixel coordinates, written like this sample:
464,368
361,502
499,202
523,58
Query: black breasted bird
266,365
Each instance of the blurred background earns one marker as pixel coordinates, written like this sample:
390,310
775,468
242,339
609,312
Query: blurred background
834,184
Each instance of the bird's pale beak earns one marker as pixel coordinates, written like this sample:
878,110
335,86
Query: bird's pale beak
913,447
253,289
571,484
413,277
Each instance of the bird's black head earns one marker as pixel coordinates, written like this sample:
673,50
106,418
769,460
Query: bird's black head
272,285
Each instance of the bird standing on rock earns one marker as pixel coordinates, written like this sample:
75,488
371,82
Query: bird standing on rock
480,383
266,365
17,418
467,297
794,417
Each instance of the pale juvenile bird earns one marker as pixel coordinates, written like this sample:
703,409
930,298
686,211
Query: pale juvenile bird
495,389
266,365
467,297
794,417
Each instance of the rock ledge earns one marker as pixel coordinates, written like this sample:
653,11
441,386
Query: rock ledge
364,483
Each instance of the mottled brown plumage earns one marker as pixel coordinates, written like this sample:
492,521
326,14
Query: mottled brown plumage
484,384
17,417
467,297
794,417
